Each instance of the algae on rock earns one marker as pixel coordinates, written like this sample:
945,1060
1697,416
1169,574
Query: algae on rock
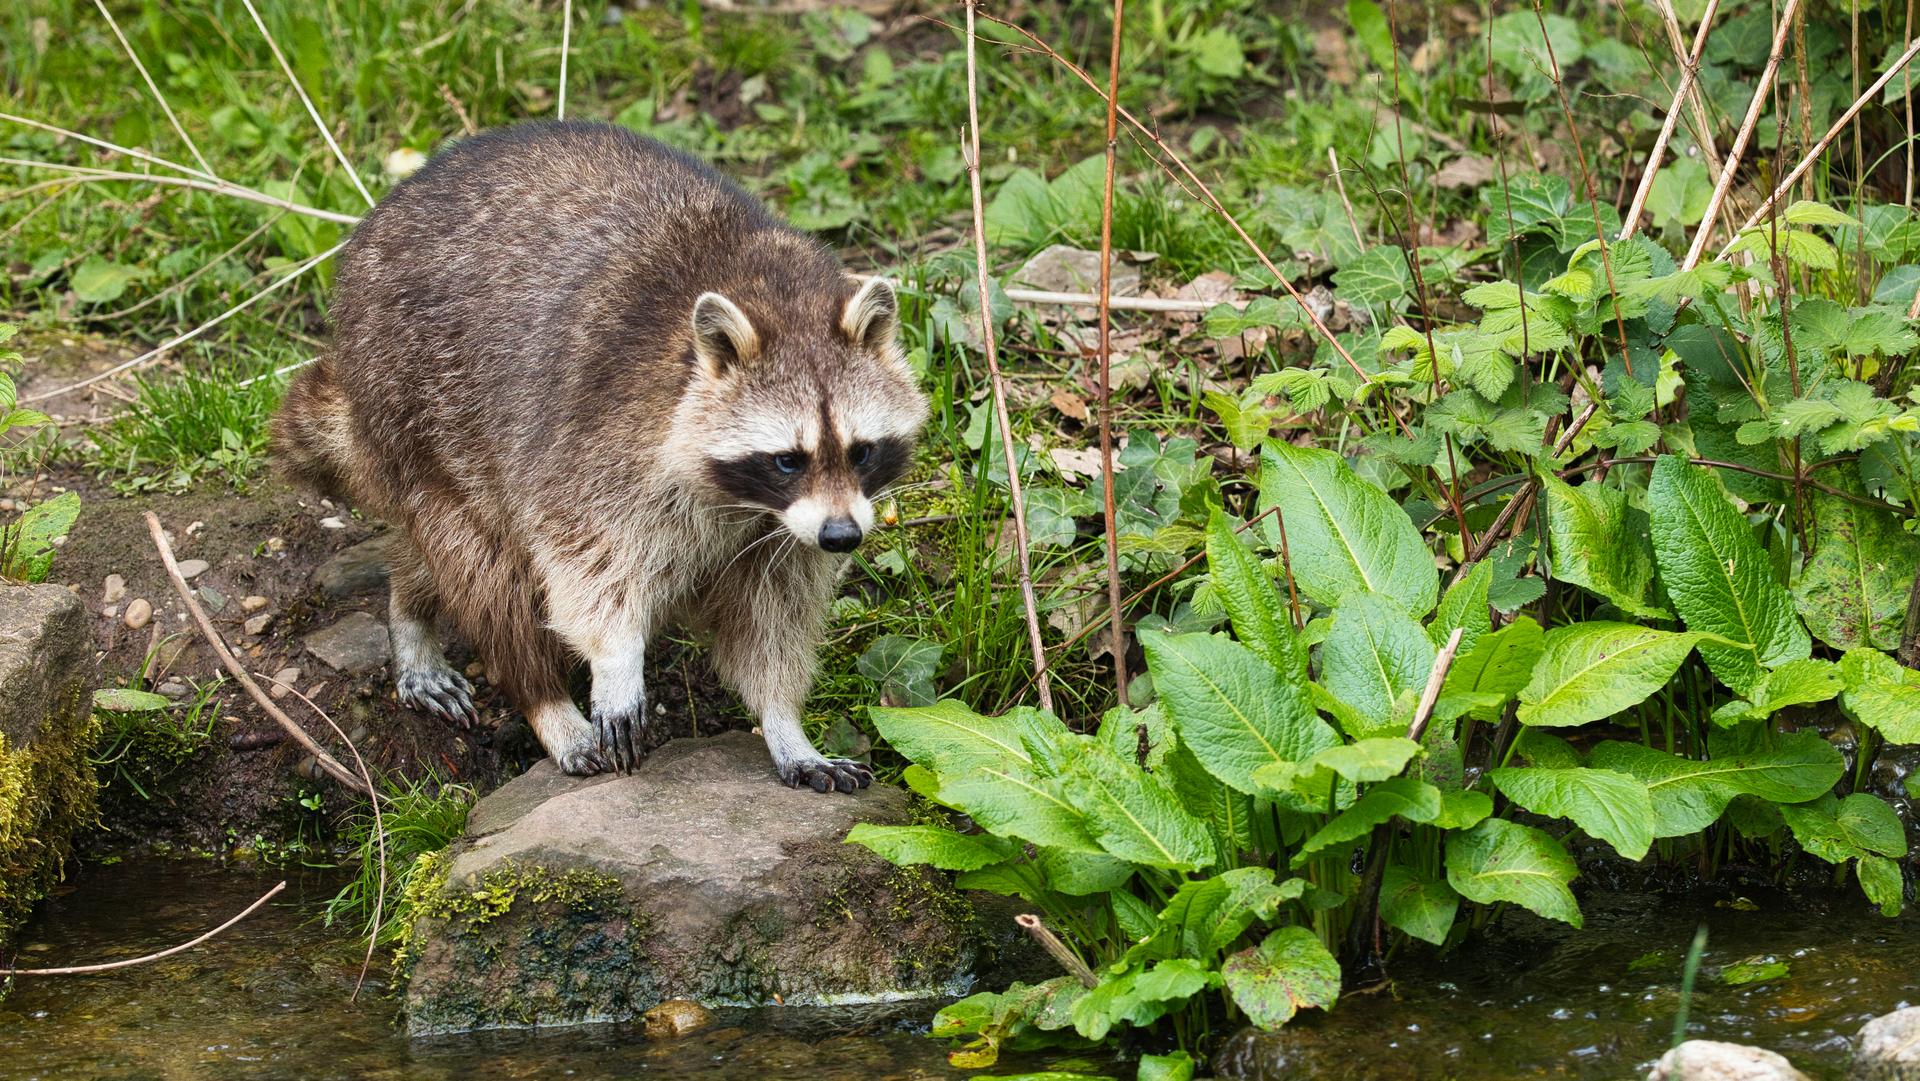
47,787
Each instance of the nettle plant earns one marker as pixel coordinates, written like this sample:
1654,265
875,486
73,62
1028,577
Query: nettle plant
1357,739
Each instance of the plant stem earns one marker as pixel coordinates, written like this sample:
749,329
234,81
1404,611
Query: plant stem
1116,623
1734,153
1042,684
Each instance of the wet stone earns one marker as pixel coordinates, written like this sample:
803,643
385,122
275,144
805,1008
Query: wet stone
698,877
1711,1060
1888,1048
356,570
357,643
675,1017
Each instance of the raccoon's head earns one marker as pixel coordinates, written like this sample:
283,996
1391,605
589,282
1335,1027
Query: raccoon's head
808,416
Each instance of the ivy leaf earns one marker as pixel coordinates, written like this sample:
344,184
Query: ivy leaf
1421,907
1286,973
1593,670
1376,279
904,667
1500,860
1689,795
1613,807
1343,534
1718,578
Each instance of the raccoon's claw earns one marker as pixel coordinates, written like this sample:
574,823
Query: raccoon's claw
441,692
614,734
828,775
583,762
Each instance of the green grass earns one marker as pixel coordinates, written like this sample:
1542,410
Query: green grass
200,426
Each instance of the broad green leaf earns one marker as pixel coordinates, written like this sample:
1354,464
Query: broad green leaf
1500,860
1718,577
1590,671
96,281
1205,916
1837,830
1853,589
1463,808
947,737
1613,807
1689,795
1742,973
1011,800
1376,279
1413,800
932,845
1795,683
904,667
1133,815
128,700
1260,618
1231,708
1881,880
1599,543
26,544
1481,681
1343,534
1082,874
1808,212
1421,907
1374,654
1464,608
1286,973
1173,1066
1881,694
1139,996
1368,760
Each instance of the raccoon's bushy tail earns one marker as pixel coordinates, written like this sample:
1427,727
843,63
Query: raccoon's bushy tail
313,433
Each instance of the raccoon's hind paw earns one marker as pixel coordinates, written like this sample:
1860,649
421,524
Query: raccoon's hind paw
614,732
827,775
441,692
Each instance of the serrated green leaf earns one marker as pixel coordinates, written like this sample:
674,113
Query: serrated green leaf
1853,590
1421,907
1808,212
1233,710
1837,830
1133,814
1613,807
1593,670
1601,544
1881,694
1343,534
1500,860
1374,654
1718,577
931,845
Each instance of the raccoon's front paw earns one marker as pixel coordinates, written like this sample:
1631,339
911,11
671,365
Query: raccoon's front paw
827,774
583,761
613,731
442,692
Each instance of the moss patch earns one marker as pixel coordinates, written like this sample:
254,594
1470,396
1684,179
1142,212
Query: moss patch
47,794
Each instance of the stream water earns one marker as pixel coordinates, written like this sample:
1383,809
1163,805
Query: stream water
271,999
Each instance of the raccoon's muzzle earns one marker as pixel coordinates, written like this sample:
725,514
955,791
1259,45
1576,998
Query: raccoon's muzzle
839,535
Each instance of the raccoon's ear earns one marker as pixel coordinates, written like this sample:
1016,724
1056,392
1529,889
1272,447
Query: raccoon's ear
872,316
723,336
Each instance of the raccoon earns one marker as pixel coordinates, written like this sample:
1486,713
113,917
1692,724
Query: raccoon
596,388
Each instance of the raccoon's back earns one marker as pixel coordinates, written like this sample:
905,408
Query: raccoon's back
487,286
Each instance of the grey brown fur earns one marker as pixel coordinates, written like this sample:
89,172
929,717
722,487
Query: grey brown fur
572,367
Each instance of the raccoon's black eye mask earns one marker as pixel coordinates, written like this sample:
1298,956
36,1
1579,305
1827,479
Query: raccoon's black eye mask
776,480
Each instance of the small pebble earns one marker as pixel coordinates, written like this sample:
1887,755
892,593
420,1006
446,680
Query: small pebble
7,504
332,523
172,689
675,1017
111,611
195,527
282,682
476,670
212,598
276,544
258,624
193,568
116,588
253,604
139,612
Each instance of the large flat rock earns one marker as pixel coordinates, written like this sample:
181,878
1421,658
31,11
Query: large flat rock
47,788
698,877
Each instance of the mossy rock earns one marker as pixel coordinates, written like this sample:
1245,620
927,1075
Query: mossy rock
699,877
47,787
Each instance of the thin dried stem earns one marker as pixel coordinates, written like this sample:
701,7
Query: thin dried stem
1807,160
1690,70
338,155
115,148
1436,679
1739,147
1042,683
190,278
1340,185
109,966
1057,949
566,42
1116,625
328,764
161,350
158,97
218,187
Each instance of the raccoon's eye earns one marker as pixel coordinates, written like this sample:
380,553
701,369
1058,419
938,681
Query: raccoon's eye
788,462
860,454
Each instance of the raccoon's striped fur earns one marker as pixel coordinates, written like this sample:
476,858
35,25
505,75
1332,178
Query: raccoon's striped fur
596,388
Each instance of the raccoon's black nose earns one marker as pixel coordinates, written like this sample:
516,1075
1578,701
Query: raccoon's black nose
839,535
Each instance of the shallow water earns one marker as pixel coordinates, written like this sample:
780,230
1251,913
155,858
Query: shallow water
270,999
